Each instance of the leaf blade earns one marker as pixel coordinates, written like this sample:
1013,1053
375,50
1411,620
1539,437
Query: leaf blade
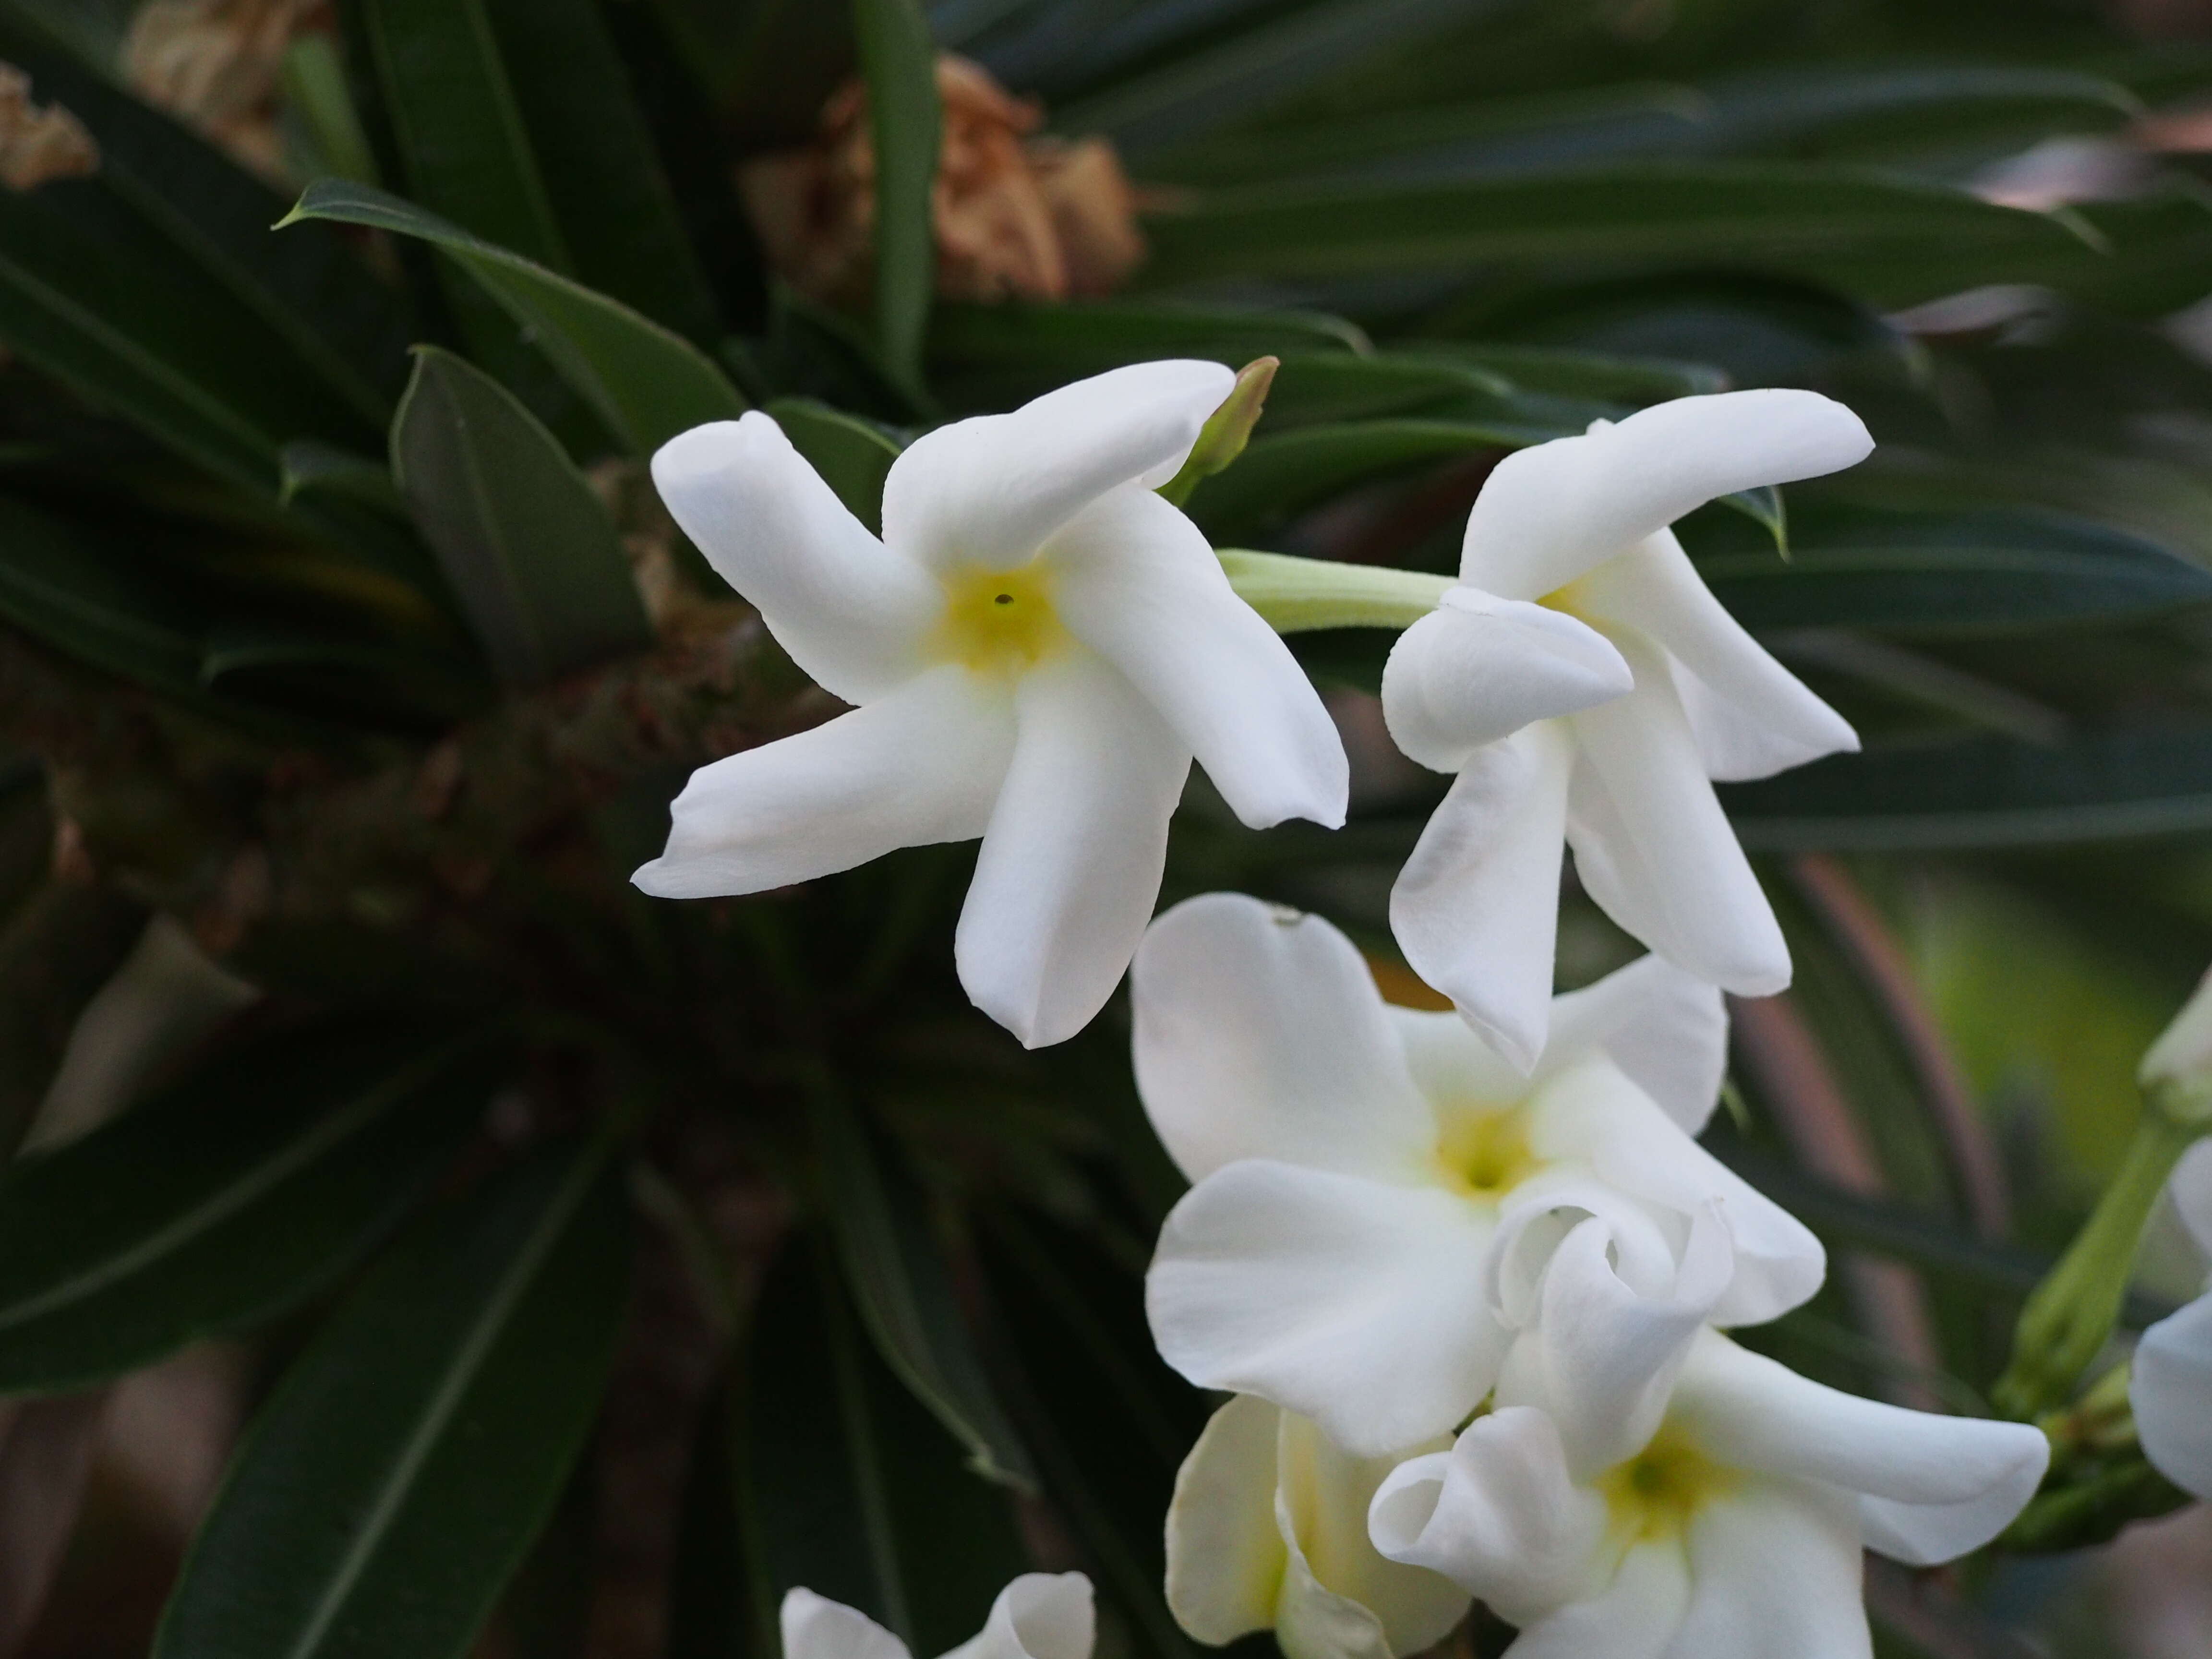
898,63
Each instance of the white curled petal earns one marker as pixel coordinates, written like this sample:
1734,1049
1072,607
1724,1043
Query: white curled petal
815,1628
1935,1486
1450,1065
1550,513
1775,1569
851,613
1751,716
1476,908
1477,669
1258,1033
1654,849
1072,859
1226,1554
1664,1027
923,764
1497,1514
2192,1187
992,489
1602,1357
1137,581
2170,1390
1594,1114
1314,1622
1634,1617
1355,1303
1644,1243
1039,1615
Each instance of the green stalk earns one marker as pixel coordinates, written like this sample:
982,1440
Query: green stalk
1297,595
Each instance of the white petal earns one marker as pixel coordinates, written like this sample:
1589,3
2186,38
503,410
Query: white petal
1550,513
2192,1187
851,613
1478,668
1665,1028
992,489
1775,1569
1314,1622
1935,1486
1498,1515
1602,1357
1226,1554
1451,1066
1258,1033
922,764
1634,1617
1476,908
1653,847
1356,1304
815,1628
1752,717
2171,1392
2183,1052
1072,859
1593,1113
1136,582
1039,1615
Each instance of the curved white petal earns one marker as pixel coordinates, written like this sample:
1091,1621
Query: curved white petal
1476,908
1072,859
1602,1357
1775,1569
990,490
1751,716
1258,1033
851,613
1937,1487
1497,1514
1451,1066
1664,1027
1634,1617
2192,1187
2171,1390
1314,1622
1653,847
1039,1615
815,1628
1138,583
1594,1114
2183,1051
922,764
1225,1555
1478,668
1355,1303
1550,513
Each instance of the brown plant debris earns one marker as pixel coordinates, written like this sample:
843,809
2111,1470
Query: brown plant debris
40,142
1018,214
218,65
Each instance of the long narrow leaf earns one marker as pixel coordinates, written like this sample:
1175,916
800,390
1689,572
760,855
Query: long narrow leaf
898,60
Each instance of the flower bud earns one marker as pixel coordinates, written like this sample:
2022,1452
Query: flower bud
2176,1074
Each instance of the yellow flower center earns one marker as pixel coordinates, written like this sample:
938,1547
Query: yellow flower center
1568,599
1485,1153
1656,1493
997,622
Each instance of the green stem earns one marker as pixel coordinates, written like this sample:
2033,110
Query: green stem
1297,595
2070,1316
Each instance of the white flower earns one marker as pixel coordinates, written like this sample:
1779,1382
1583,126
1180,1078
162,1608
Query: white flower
1268,1531
1036,647
1731,1530
1040,1615
2171,1385
1354,1162
1585,685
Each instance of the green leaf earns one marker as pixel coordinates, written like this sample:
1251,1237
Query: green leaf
1763,506
525,543
1315,388
647,383
1565,372
92,595
608,194
844,1484
903,1288
391,1485
898,63
853,456
231,1196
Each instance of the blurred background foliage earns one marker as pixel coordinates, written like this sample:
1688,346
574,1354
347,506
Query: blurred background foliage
492,1259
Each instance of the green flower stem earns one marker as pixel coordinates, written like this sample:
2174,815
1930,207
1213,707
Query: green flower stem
1297,595
2071,1314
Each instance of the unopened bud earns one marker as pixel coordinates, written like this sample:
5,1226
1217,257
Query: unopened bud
1227,430
2176,1074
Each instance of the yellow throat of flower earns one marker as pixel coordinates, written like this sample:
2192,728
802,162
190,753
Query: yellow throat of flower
1656,1494
1485,1153
999,621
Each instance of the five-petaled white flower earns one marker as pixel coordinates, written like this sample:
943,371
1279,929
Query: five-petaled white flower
1355,1163
1040,1615
1037,646
1655,1492
2171,1385
1268,1531
1585,685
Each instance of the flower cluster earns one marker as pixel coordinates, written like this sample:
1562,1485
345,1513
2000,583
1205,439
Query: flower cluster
1467,1274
